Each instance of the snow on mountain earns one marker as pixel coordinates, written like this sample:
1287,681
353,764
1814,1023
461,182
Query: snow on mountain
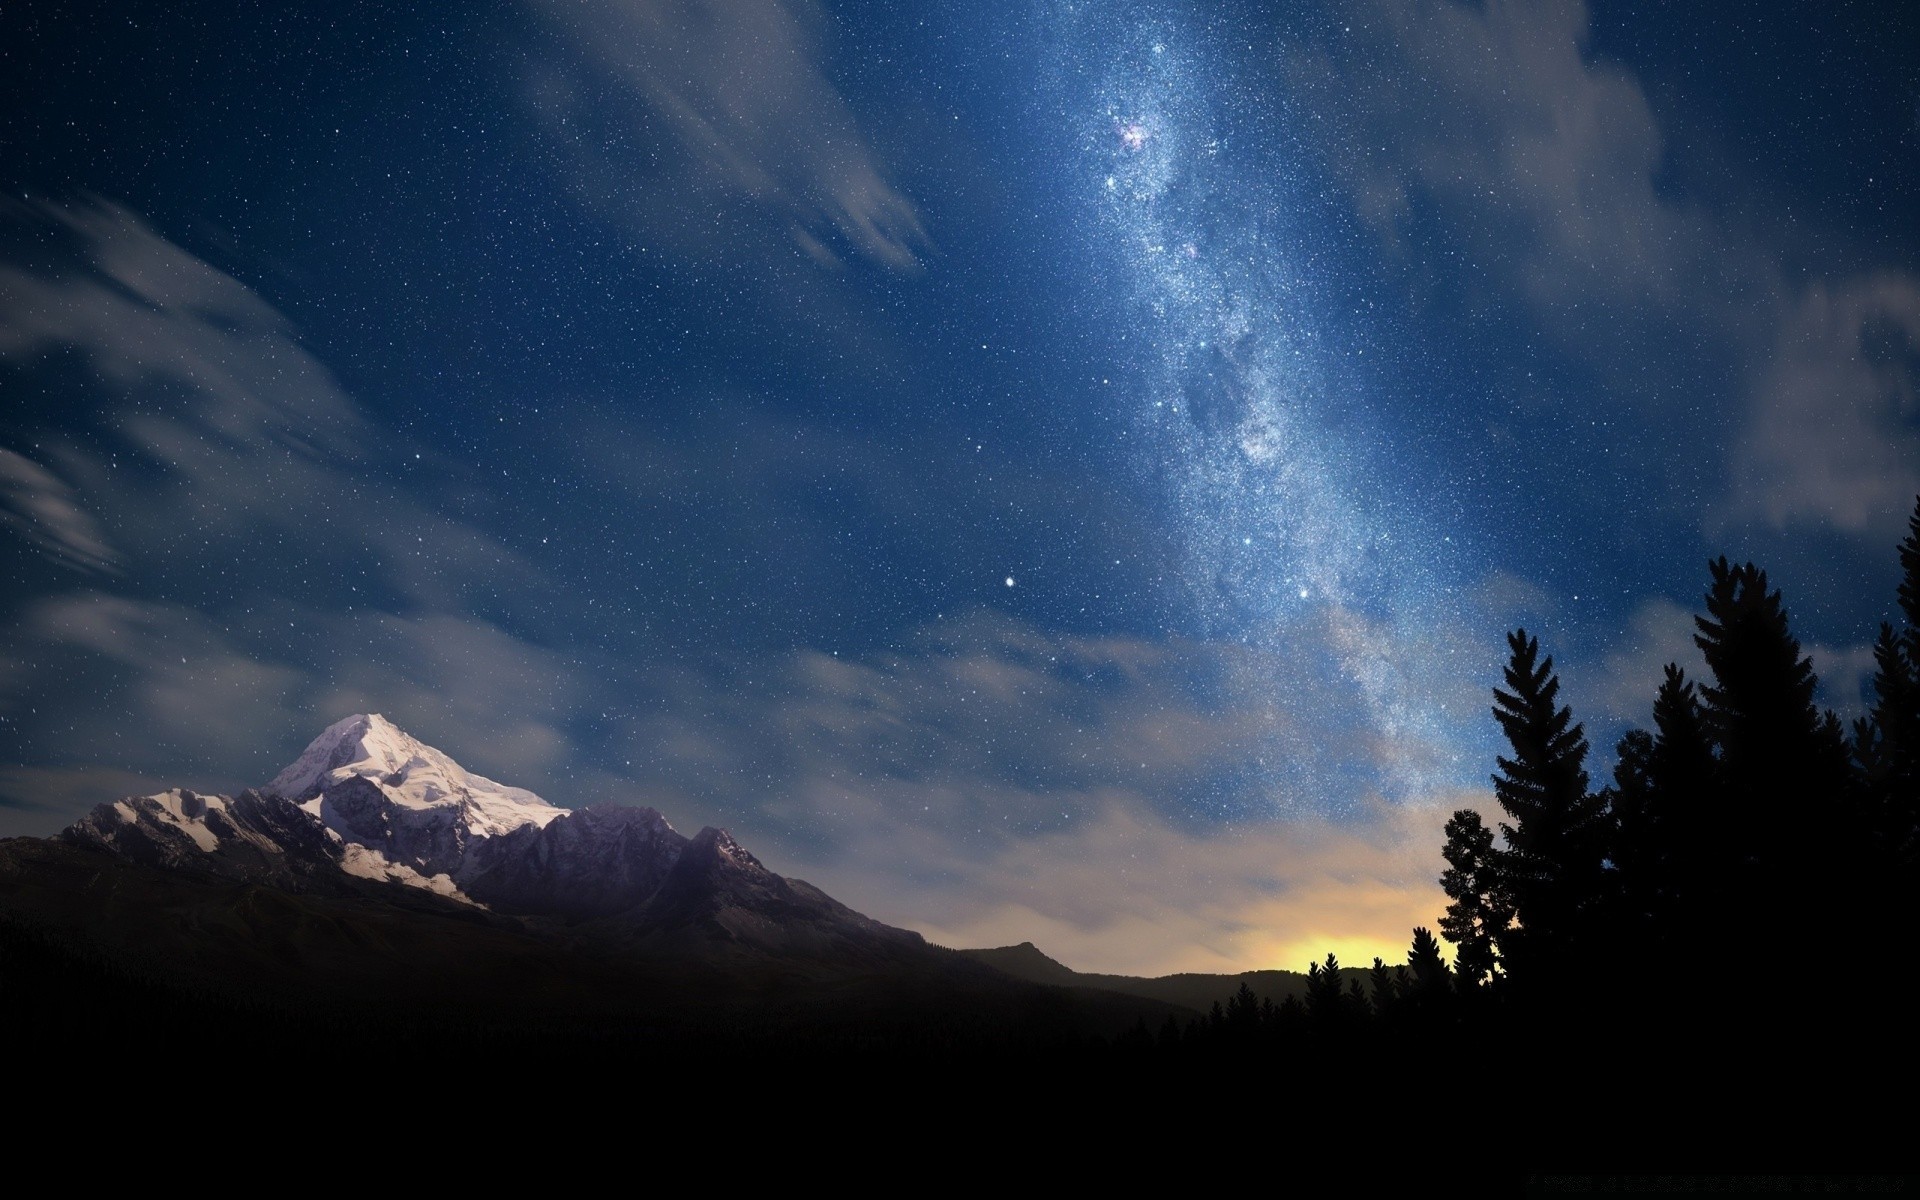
176,809
367,802
408,773
250,836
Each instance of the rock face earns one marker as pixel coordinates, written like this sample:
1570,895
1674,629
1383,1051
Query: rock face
250,838
592,862
366,802
719,895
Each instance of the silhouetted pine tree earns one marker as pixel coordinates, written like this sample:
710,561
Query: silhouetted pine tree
1481,910
1557,841
1664,808
1326,1003
1290,1020
1428,992
1638,837
1358,1010
1243,1013
1783,767
1887,742
1382,994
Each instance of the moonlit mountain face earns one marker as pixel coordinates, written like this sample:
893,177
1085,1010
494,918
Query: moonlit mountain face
379,803
366,802
1055,475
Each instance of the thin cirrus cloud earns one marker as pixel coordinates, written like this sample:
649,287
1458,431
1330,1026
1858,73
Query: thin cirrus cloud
37,505
740,87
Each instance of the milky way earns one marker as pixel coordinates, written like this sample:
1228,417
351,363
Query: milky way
1296,541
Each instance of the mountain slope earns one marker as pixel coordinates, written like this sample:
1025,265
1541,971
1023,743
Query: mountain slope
367,801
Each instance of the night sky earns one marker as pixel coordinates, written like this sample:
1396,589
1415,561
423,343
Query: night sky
1057,471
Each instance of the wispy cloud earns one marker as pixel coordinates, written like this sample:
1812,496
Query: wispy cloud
740,86
39,507
208,426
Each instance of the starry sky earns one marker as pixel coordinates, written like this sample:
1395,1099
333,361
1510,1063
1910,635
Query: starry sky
1055,471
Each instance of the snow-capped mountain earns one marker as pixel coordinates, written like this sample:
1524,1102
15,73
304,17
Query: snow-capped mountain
367,802
379,803
407,774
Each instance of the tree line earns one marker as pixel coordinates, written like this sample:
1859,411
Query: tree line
1674,910
1747,826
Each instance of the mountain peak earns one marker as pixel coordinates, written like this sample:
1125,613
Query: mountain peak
407,772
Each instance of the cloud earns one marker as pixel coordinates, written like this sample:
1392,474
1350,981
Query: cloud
1109,798
1846,673
1127,804
157,322
1542,157
457,681
184,697
244,485
1543,162
207,426
1659,632
1834,435
39,507
178,690
738,85
1123,892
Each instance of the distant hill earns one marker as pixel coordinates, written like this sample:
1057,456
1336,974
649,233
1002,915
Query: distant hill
1194,991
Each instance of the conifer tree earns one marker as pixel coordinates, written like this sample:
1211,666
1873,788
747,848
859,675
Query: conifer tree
1557,840
1887,742
1480,910
1663,804
1243,1012
1423,958
1380,987
1357,1009
1430,986
1325,1002
1637,818
1794,838
1780,760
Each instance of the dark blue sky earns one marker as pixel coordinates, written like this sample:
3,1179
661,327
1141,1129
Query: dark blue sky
651,403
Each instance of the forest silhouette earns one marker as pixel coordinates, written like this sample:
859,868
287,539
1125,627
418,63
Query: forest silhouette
1691,959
